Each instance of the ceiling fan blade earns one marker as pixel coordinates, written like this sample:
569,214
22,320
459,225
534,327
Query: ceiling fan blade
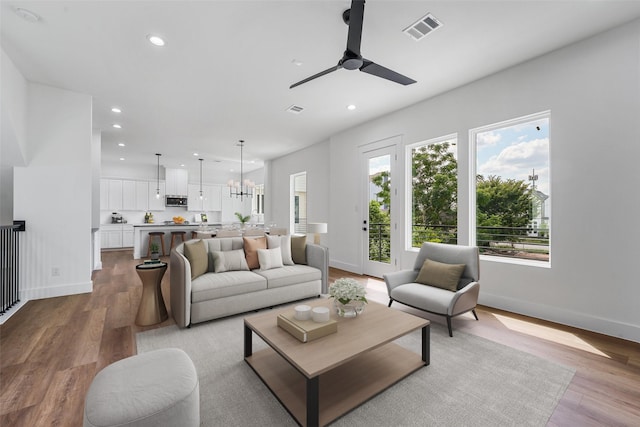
374,69
315,76
356,17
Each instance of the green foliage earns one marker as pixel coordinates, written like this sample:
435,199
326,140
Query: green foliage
154,247
241,218
379,233
383,181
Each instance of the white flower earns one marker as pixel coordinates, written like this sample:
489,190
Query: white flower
346,289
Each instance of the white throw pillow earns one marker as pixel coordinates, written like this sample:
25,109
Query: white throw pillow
284,243
229,261
270,258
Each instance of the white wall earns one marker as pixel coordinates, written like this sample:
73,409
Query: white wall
53,194
313,160
592,89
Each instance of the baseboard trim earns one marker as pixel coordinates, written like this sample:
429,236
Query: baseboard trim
351,268
575,319
56,291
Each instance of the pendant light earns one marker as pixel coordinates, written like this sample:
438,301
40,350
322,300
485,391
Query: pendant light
158,177
244,187
201,178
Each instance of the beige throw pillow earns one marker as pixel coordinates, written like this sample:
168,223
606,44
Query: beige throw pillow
251,246
284,243
445,276
196,254
229,261
270,258
299,249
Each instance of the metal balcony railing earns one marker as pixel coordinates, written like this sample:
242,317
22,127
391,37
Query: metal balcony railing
512,242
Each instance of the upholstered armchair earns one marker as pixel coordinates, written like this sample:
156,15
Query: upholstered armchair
444,281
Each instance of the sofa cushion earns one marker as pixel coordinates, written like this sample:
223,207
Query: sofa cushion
270,258
251,246
299,249
441,275
196,253
229,261
284,243
289,275
219,285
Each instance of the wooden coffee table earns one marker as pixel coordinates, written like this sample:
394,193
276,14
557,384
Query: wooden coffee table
321,380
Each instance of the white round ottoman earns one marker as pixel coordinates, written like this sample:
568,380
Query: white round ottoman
158,388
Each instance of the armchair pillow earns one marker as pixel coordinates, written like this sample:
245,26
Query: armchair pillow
251,247
299,249
284,243
438,274
270,258
229,261
196,253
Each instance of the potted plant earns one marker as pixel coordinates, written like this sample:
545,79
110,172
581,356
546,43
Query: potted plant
243,219
349,297
155,251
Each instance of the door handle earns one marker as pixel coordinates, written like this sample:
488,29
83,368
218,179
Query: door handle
364,228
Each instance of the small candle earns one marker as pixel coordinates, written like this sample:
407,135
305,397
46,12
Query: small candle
303,312
320,314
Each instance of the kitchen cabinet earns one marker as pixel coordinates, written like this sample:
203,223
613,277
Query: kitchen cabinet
176,182
115,236
129,195
115,195
104,194
156,204
142,196
211,198
127,236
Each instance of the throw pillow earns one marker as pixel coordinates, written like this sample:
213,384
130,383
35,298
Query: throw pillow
284,243
229,261
299,249
270,258
196,254
251,247
445,276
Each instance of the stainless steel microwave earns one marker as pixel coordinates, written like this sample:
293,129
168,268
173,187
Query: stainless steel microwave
179,201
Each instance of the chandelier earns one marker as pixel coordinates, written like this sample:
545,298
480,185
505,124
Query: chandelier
244,187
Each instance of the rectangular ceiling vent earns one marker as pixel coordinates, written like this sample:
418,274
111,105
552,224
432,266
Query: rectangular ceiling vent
422,27
295,109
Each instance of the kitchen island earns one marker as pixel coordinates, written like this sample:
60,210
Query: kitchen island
141,235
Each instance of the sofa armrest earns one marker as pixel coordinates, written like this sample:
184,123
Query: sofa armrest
318,257
465,299
398,278
180,287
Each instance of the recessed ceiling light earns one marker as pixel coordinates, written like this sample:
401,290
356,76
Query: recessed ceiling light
117,126
121,158
296,62
351,107
116,110
27,15
121,144
156,40
182,165
195,154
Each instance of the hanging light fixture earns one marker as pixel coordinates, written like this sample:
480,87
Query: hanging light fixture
158,177
201,178
244,187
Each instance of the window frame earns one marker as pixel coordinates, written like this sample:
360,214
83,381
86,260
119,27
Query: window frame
408,167
473,171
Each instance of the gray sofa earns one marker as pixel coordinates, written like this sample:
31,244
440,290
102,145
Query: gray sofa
215,295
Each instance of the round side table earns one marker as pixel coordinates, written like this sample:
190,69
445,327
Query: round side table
152,309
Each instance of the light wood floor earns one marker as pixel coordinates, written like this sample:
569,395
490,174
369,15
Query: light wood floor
51,349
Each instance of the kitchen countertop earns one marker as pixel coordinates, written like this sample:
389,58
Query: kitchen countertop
162,224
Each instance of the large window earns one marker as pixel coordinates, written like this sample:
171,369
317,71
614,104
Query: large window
433,186
512,191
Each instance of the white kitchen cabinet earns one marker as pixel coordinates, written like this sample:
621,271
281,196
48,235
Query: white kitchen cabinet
156,204
177,182
213,198
194,204
142,196
115,195
127,236
129,200
111,236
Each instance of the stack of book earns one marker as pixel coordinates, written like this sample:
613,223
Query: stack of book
152,261
306,330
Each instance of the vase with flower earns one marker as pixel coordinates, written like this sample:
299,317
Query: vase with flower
349,297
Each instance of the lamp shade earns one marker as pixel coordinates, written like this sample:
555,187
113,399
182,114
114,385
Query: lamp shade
317,227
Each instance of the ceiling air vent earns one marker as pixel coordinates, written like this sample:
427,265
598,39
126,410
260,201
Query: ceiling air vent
422,27
295,109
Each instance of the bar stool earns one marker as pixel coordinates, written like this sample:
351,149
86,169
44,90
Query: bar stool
175,234
153,234
194,234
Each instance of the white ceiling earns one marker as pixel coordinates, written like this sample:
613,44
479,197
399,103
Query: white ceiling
225,72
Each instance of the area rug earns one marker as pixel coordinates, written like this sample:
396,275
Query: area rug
471,381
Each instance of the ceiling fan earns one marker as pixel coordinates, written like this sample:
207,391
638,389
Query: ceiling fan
352,59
